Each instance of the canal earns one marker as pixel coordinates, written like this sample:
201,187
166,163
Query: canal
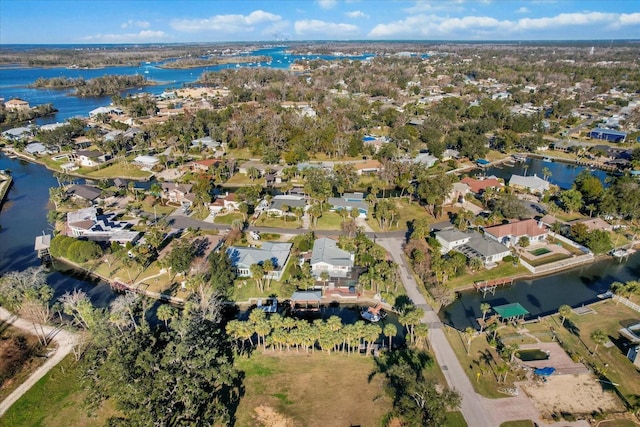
24,216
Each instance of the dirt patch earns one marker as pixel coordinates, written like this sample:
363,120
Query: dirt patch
269,417
572,394
18,357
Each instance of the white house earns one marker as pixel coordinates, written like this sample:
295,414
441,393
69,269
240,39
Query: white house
533,183
88,224
242,258
328,257
146,161
426,159
90,158
473,245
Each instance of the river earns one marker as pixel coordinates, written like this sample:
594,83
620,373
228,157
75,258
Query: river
14,81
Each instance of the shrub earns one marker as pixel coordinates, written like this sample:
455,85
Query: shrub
60,244
83,251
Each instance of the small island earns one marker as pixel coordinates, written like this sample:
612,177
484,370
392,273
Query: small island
100,86
183,63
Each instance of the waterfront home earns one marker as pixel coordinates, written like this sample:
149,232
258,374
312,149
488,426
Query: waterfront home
36,148
242,258
594,224
533,183
479,185
16,105
510,234
88,224
473,245
19,133
89,158
634,355
105,110
279,202
147,162
84,192
327,257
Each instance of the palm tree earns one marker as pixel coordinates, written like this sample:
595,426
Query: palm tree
546,173
525,167
422,334
390,330
165,313
564,311
257,273
469,333
501,369
599,337
484,308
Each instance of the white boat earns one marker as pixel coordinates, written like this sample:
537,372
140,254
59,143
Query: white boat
373,314
605,295
547,159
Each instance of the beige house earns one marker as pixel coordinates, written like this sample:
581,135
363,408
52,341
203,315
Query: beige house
16,105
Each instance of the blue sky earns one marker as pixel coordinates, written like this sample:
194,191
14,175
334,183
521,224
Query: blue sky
169,21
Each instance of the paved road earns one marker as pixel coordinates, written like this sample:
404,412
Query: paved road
65,341
472,407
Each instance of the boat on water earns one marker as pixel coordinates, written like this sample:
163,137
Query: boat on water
547,159
605,295
519,157
373,314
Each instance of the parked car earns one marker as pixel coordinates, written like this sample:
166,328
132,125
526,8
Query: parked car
254,235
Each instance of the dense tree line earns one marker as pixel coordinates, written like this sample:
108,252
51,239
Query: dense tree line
14,117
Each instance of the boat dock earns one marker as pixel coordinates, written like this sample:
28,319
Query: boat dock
5,184
490,286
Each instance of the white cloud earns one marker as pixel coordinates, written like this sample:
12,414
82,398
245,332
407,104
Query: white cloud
226,23
131,24
144,36
523,10
327,4
356,14
315,27
422,6
425,26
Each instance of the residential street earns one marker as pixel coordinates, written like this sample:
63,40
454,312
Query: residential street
65,341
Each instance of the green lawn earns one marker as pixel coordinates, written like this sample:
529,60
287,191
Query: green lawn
288,386
228,218
277,222
56,401
240,179
504,269
122,170
547,259
519,423
407,212
455,419
329,221
482,360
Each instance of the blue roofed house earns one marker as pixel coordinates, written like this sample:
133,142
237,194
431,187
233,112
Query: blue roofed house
349,202
328,257
242,258
608,135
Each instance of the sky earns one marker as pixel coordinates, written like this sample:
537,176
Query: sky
180,21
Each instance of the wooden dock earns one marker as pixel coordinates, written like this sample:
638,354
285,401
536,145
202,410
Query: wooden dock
490,286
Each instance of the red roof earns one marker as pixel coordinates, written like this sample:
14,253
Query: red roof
207,162
528,227
478,185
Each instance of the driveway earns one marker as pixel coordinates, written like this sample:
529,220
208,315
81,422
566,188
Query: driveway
65,341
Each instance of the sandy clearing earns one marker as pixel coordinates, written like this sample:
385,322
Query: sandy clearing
575,394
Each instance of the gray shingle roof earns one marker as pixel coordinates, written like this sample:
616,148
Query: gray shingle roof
326,250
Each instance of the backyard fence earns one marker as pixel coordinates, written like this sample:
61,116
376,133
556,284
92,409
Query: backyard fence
623,300
562,264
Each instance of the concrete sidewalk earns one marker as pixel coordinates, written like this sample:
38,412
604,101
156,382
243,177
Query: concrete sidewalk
65,341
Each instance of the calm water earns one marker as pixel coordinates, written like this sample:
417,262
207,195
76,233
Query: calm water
543,296
562,174
23,217
14,81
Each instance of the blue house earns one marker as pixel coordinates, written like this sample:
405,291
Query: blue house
608,135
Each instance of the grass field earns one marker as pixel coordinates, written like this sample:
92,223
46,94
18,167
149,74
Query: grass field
482,359
56,401
228,218
277,222
504,269
407,212
329,221
548,259
122,170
